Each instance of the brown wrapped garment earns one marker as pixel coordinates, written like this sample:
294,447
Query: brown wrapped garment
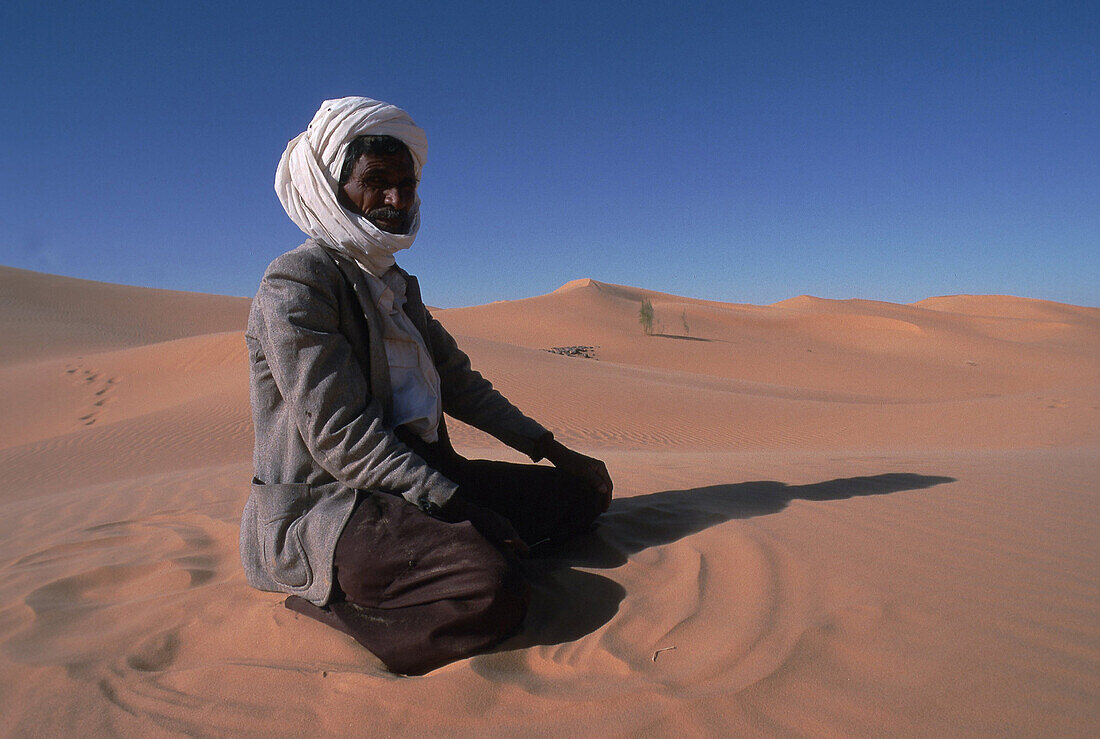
420,592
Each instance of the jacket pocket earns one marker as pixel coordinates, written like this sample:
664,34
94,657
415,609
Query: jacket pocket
282,507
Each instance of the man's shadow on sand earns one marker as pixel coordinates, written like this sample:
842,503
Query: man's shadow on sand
568,603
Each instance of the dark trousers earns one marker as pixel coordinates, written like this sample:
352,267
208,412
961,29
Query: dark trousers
420,592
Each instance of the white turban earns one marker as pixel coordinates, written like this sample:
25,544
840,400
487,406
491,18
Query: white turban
308,178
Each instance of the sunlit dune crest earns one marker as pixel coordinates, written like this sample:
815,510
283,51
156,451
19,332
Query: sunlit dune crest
831,517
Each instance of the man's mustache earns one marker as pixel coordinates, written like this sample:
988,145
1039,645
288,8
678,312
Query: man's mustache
387,214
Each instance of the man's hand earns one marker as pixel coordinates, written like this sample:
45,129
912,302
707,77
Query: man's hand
591,471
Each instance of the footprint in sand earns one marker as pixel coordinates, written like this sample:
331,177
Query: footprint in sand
103,390
155,653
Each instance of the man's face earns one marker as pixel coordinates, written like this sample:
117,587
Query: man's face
382,188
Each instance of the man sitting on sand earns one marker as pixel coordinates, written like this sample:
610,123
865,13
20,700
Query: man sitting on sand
361,509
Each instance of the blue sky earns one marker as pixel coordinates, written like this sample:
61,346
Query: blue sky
744,152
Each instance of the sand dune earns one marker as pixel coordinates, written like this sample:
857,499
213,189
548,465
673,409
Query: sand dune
832,517
49,316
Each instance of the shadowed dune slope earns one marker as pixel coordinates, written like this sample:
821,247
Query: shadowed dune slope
44,315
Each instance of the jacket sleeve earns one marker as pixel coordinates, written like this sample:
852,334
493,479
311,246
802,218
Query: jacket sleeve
472,399
326,391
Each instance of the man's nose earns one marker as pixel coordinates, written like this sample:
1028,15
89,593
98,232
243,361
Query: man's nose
396,199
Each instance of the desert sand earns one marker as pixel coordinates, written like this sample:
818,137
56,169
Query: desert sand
831,518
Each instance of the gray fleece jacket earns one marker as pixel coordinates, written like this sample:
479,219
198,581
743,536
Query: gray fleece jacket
322,409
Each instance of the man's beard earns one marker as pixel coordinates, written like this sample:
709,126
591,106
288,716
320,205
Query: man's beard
378,215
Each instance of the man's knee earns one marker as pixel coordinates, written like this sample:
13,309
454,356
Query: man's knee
503,597
514,596
583,506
